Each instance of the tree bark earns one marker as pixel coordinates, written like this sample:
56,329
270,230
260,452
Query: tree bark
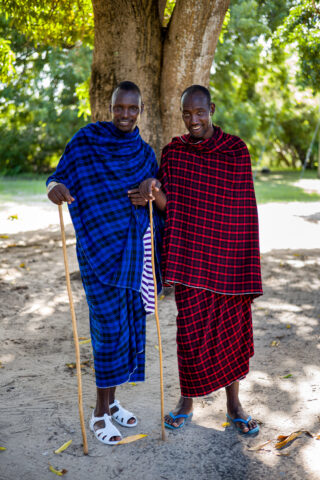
130,44
188,53
127,46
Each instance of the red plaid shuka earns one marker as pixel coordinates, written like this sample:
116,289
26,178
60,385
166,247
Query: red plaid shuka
211,237
214,339
211,251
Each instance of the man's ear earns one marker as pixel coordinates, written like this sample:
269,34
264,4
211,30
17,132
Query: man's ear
141,108
212,108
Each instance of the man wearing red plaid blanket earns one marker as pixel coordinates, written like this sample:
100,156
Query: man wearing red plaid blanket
211,255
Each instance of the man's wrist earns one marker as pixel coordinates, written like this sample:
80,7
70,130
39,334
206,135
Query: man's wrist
51,185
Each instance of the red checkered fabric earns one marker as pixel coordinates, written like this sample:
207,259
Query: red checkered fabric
214,338
211,237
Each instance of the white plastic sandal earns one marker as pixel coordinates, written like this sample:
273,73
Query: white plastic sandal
108,431
122,416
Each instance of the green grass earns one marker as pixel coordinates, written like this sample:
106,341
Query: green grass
273,187
12,188
279,187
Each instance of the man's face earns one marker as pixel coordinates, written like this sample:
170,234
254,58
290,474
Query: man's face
125,108
196,114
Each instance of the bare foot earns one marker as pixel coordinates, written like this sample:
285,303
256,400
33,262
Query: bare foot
184,407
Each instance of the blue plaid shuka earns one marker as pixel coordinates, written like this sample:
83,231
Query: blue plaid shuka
99,165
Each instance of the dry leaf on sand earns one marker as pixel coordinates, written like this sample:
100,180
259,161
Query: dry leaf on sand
63,447
132,438
57,472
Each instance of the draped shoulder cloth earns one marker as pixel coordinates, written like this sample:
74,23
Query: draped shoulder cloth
211,237
99,165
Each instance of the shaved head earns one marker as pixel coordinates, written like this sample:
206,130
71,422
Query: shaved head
193,89
126,86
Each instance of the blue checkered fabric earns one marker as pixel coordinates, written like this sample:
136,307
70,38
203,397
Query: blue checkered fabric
99,165
118,326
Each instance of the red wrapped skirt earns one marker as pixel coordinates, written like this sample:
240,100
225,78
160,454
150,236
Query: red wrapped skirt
214,339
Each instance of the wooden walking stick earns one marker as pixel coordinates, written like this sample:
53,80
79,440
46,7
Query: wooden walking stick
157,320
75,332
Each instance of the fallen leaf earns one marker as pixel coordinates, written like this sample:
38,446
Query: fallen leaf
73,365
288,376
132,383
318,437
3,448
283,440
4,236
83,338
82,342
13,217
63,447
22,265
225,424
57,472
283,454
156,346
275,343
259,447
11,245
288,325
133,438
162,297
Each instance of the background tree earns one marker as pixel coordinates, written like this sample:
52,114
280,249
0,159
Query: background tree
39,105
264,77
133,40
262,97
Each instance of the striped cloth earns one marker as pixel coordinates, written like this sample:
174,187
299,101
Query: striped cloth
147,283
214,339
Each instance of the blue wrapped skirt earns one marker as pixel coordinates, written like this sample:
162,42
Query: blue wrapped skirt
118,329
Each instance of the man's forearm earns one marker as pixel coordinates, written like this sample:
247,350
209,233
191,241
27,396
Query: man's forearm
160,200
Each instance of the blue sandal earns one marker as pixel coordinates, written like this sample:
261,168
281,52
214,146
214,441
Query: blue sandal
175,417
235,422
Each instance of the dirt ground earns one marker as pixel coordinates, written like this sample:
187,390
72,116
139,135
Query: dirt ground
39,391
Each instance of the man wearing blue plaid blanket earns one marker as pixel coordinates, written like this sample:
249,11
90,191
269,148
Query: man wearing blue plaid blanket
98,176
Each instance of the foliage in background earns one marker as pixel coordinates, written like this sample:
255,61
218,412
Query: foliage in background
55,23
260,97
302,28
267,58
39,106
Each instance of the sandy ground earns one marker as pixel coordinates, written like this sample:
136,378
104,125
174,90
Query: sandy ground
39,391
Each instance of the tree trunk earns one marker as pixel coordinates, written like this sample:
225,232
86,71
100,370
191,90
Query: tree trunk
127,46
130,44
188,53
